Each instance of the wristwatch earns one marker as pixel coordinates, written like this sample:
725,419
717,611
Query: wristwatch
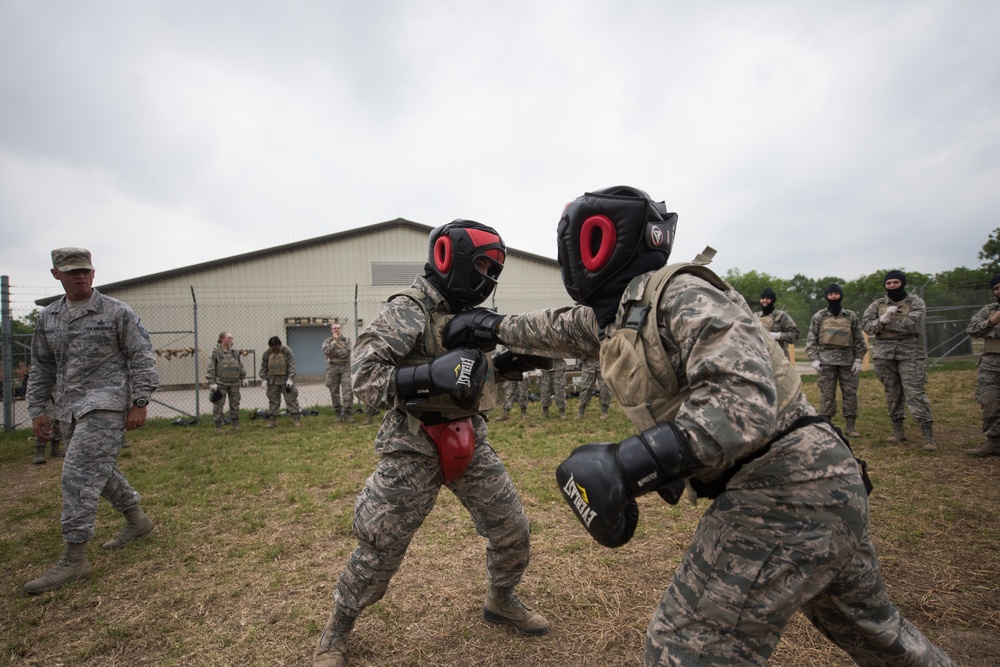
140,402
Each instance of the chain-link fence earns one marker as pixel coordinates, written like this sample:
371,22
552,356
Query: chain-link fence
184,325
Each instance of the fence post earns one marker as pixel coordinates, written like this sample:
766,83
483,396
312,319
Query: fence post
197,369
8,359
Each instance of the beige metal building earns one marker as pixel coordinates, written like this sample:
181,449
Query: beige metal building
294,291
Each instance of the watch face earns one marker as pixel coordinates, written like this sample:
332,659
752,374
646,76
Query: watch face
140,402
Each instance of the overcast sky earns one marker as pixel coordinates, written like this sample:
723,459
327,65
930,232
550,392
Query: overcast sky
824,138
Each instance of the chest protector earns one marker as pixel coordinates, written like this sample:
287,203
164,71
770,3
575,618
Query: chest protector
635,364
902,310
277,364
340,351
428,349
228,368
767,321
835,331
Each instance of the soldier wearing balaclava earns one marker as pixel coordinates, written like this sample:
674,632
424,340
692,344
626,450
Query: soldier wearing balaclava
896,323
986,325
778,323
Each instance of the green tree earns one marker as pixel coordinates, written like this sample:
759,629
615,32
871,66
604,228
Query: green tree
990,254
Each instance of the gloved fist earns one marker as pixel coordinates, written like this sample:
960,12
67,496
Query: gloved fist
592,484
244,382
288,384
887,315
817,365
776,335
213,387
511,366
475,327
856,367
460,374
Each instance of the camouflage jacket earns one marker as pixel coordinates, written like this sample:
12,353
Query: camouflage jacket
273,372
718,352
400,335
337,351
225,367
980,327
836,355
101,359
902,337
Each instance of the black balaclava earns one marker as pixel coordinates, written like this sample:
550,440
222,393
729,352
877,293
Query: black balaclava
896,294
993,283
834,305
768,293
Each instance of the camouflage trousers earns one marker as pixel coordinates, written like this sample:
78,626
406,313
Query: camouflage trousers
232,393
274,394
397,498
588,380
338,379
553,384
988,398
515,391
827,380
90,471
759,555
904,379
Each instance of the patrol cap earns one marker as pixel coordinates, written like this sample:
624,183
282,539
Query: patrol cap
71,259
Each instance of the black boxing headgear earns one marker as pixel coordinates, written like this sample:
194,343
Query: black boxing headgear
994,281
465,260
602,233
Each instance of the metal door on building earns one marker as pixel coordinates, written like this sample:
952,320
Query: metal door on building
307,345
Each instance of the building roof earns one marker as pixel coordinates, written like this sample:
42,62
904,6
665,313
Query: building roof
288,247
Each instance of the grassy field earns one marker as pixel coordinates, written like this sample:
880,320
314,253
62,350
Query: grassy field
253,530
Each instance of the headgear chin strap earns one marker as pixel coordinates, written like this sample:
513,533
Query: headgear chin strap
465,260
602,232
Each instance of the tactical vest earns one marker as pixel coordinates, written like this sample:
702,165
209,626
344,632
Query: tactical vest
432,349
902,310
767,321
835,331
991,345
228,368
340,351
635,365
277,364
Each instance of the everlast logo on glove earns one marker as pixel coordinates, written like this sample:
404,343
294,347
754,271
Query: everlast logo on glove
576,496
464,371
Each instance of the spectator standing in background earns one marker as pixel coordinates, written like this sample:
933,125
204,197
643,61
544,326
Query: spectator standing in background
337,350
837,347
779,323
277,372
896,321
986,325
225,375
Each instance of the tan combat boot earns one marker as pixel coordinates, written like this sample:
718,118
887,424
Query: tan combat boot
271,422
54,448
579,412
849,430
39,452
604,412
990,448
928,430
236,425
545,412
136,525
505,416
331,649
72,566
503,607
898,433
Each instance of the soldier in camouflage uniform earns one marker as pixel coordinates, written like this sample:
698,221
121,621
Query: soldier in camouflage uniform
225,375
277,372
896,321
337,350
93,359
986,325
781,325
433,434
552,387
837,348
514,390
590,376
54,440
714,401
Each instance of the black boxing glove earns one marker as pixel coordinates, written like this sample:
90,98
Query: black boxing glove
475,327
601,481
460,374
512,366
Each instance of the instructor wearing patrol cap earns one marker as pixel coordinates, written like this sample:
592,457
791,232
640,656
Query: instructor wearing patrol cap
91,355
